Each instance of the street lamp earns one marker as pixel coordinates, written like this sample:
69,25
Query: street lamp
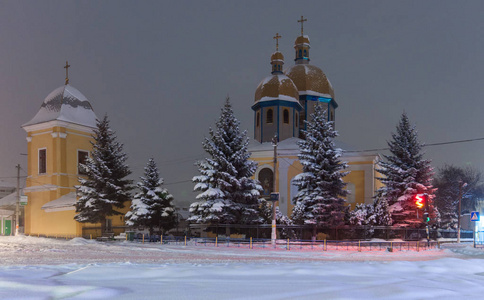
461,186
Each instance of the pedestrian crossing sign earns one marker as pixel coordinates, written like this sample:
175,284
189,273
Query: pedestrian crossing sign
474,216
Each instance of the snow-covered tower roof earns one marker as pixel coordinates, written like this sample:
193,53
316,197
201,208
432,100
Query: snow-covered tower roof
66,104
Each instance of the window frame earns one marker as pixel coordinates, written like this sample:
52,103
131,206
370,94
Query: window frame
271,111
79,162
39,168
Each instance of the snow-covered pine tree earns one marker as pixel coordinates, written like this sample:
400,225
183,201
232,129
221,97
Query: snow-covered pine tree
373,214
152,206
320,201
405,174
228,194
104,189
449,181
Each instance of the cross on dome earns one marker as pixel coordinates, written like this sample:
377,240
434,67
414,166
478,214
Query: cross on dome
302,20
67,72
277,37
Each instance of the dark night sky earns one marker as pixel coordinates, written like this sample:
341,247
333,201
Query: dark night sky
162,69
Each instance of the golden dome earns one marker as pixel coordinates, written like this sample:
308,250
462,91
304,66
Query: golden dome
310,80
277,56
276,87
302,39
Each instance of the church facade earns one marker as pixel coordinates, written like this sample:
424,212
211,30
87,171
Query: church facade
283,101
59,138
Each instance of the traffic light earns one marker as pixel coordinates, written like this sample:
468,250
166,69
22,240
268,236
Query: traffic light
420,200
426,217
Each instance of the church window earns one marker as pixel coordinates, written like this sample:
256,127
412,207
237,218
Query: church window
266,179
270,116
81,159
278,67
305,53
286,116
257,119
42,161
300,53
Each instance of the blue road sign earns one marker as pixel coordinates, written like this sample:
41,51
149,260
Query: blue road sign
475,216
274,197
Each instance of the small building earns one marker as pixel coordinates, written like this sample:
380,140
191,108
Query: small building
59,138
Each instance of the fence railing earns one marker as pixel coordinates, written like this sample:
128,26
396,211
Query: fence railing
288,244
335,233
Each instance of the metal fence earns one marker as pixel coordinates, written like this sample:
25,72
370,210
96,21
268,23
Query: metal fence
335,233
317,245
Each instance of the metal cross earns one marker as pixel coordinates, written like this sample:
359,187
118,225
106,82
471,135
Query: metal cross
67,72
302,20
277,37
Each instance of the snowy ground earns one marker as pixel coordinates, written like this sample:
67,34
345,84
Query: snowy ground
38,268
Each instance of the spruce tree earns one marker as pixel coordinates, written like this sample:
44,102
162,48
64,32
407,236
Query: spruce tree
105,187
228,194
152,206
405,174
450,181
320,201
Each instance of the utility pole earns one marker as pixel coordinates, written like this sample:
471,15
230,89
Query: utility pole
461,186
273,232
17,208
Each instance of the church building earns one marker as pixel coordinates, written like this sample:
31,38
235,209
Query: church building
283,101
59,138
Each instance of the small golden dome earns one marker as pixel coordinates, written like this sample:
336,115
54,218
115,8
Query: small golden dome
277,56
302,39
276,87
310,80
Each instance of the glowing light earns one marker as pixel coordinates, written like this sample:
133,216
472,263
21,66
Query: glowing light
419,201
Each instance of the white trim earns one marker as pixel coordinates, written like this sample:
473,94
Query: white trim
57,123
60,209
83,135
62,135
41,133
29,139
41,188
54,134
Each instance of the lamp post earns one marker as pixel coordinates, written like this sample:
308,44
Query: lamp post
461,186
274,198
17,207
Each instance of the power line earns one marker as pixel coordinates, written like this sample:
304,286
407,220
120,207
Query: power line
424,145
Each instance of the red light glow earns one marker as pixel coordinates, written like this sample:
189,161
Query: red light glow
419,201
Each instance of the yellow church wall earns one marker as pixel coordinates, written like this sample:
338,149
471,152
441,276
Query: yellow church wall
357,178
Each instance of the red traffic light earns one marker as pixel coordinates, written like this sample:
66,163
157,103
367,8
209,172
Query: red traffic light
420,201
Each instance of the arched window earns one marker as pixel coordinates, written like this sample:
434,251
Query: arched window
285,115
258,119
269,116
278,67
305,53
266,179
300,53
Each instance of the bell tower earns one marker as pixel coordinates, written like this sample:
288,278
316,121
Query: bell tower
276,107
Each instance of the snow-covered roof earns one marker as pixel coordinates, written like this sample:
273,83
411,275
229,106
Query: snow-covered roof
277,87
10,199
6,213
67,104
67,201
